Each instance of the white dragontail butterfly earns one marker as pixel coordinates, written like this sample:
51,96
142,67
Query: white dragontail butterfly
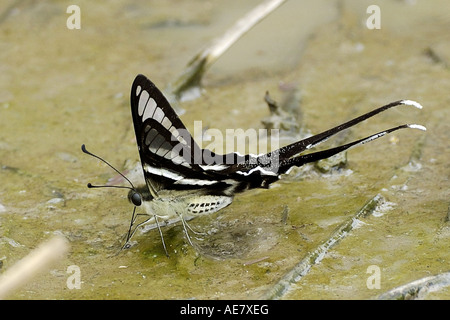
181,185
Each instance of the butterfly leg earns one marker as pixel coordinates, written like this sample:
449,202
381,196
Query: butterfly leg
161,234
197,233
185,230
132,229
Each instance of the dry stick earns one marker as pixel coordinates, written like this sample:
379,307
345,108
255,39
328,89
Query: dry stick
315,256
193,74
418,288
38,260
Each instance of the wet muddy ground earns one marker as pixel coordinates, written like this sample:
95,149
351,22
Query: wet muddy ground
314,234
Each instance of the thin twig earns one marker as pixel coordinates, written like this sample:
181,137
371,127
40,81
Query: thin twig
315,256
192,76
418,289
38,260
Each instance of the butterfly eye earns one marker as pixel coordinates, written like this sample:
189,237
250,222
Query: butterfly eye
135,198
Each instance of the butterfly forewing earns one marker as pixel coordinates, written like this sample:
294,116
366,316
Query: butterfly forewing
170,157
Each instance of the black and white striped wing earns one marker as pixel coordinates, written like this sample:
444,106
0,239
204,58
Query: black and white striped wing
170,157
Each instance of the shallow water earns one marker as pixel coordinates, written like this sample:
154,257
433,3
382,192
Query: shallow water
60,88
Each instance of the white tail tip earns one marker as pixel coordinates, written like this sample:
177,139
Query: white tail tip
412,103
417,126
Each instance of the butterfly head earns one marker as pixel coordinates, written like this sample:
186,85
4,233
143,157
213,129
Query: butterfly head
135,197
138,195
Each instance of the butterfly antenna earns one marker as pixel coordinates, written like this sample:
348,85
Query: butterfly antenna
83,148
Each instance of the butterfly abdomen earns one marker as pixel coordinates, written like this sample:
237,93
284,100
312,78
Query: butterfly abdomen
207,204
